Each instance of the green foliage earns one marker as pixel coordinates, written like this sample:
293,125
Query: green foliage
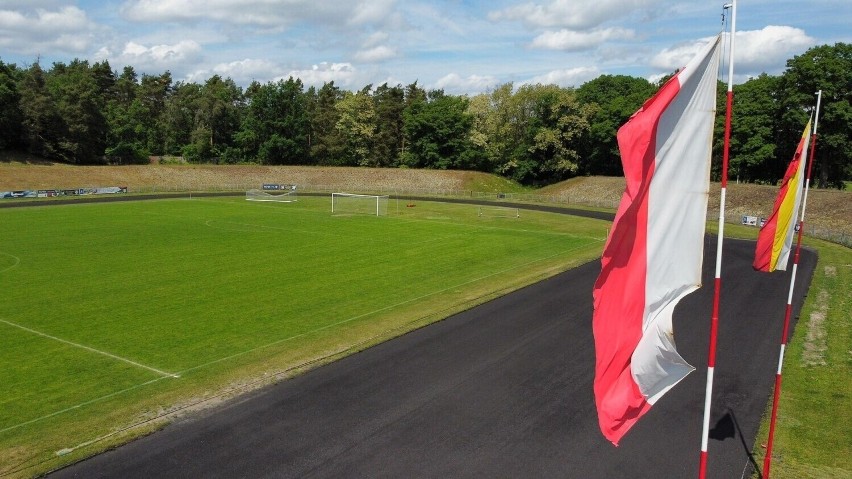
753,134
327,142
276,126
827,68
356,125
42,127
533,134
614,98
80,103
11,116
390,124
438,134
530,135
127,132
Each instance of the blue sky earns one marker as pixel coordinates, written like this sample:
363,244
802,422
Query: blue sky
462,46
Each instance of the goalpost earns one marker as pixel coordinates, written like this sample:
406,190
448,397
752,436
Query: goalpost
350,203
499,212
288,196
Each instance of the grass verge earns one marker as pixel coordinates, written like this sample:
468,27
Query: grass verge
812,432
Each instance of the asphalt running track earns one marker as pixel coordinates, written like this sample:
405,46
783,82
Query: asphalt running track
503,390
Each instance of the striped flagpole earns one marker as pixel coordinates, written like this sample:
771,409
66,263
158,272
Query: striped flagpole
767,460
717,284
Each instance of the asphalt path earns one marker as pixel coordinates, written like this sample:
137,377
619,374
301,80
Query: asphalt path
503,390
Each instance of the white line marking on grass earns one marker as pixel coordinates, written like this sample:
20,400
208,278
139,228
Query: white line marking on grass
500,228
17,262
386,308
212,223
82,404
92,401
90,349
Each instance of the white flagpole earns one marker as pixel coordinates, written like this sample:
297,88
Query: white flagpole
788,312
714,319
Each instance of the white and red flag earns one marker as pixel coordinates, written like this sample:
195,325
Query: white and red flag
775,239
653,254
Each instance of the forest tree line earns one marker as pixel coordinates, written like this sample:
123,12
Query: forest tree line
83,113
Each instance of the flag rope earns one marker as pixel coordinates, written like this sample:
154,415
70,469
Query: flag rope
717,283
767,460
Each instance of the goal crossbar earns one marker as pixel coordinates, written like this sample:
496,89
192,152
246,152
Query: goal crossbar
359,204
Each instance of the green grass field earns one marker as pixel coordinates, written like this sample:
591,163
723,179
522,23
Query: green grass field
115,315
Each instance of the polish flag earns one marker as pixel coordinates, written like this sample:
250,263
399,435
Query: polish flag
776,236
653,255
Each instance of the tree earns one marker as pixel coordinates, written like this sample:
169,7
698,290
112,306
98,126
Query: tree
390,107
753,134
496,128
326,140
357,127
11,116
126,141
154,92
614,98
438,133
79,103
216,118
127,120
530,135
178,119
276,126
827,68
42,127
558,124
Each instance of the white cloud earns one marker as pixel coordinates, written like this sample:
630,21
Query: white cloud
371,11
678,56
241,71
575,14
453,83
573,41
759,50
342,74
755,52
266,13
155,58
572,77
67,29
30,4
375,39
271,14
375,54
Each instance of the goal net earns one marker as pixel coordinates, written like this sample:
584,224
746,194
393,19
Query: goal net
499,212
288,195
352,204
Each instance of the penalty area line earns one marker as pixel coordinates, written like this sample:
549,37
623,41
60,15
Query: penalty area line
90,349
82,404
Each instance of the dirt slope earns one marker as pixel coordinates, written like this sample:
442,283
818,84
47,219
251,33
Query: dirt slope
16,176
827,210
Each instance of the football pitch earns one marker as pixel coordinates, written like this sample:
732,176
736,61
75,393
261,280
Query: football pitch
115,315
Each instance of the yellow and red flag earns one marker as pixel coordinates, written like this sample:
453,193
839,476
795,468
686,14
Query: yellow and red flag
776,236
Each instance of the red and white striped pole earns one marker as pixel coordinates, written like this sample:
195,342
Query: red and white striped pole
717,284
767,460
